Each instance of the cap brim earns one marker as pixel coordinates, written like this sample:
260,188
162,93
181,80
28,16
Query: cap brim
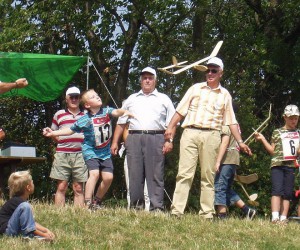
146,72
214,65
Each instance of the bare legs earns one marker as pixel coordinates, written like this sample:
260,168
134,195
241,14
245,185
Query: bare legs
94,175
60,195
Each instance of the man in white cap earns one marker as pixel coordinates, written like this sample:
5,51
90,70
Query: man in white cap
145,143
205,107
68,161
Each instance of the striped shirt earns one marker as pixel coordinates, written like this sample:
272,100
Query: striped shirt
71,143
152,112
204,107
85,124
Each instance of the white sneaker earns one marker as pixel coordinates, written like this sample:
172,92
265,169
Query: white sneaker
251,213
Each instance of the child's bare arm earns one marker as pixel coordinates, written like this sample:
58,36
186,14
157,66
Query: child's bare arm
122,112
269,147
222,150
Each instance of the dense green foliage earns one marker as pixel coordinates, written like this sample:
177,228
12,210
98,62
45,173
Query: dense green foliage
261,52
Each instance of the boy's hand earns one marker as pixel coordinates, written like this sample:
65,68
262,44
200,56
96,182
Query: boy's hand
259,136
50,235
127,113
114,148
217,167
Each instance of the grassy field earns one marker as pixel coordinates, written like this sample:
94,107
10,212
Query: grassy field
122,229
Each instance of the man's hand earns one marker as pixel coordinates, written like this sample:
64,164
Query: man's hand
21,83
47,132
245,148
169,134
167,147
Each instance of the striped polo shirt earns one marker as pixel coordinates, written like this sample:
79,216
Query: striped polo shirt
204,107
71,143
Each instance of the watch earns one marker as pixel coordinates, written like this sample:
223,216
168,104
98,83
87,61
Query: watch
240,141
170,140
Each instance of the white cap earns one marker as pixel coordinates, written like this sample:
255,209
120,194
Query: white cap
291,110
149,70
216,61
73,91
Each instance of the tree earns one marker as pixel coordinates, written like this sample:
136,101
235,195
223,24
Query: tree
260,53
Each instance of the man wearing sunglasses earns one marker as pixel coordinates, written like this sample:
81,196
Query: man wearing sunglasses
205,108
68,161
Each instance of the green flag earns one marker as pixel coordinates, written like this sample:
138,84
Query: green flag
47,74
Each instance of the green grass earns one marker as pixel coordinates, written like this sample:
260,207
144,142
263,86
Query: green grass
118,228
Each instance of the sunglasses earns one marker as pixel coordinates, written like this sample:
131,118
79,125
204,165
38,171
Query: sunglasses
76,97
213,71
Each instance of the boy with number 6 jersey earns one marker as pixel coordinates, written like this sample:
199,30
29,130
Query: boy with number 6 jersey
97,131
284,148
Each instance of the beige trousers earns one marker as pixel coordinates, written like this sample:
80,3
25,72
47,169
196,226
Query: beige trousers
202,145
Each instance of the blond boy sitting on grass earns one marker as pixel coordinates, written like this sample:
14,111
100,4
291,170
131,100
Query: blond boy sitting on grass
16,216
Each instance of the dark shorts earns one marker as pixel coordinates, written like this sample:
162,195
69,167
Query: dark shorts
101,165
283,181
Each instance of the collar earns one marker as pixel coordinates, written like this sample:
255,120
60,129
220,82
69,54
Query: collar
205,85
68,111
100,112
154,92
290,130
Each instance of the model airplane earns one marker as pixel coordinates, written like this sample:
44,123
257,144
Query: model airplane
196,65
175,64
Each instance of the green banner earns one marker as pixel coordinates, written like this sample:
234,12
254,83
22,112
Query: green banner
47,74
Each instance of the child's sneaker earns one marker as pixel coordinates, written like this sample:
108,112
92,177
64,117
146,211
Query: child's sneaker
88,204
283,222
95,205
222,216
251,213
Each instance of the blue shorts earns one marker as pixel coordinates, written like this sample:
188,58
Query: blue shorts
283,181
101,165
